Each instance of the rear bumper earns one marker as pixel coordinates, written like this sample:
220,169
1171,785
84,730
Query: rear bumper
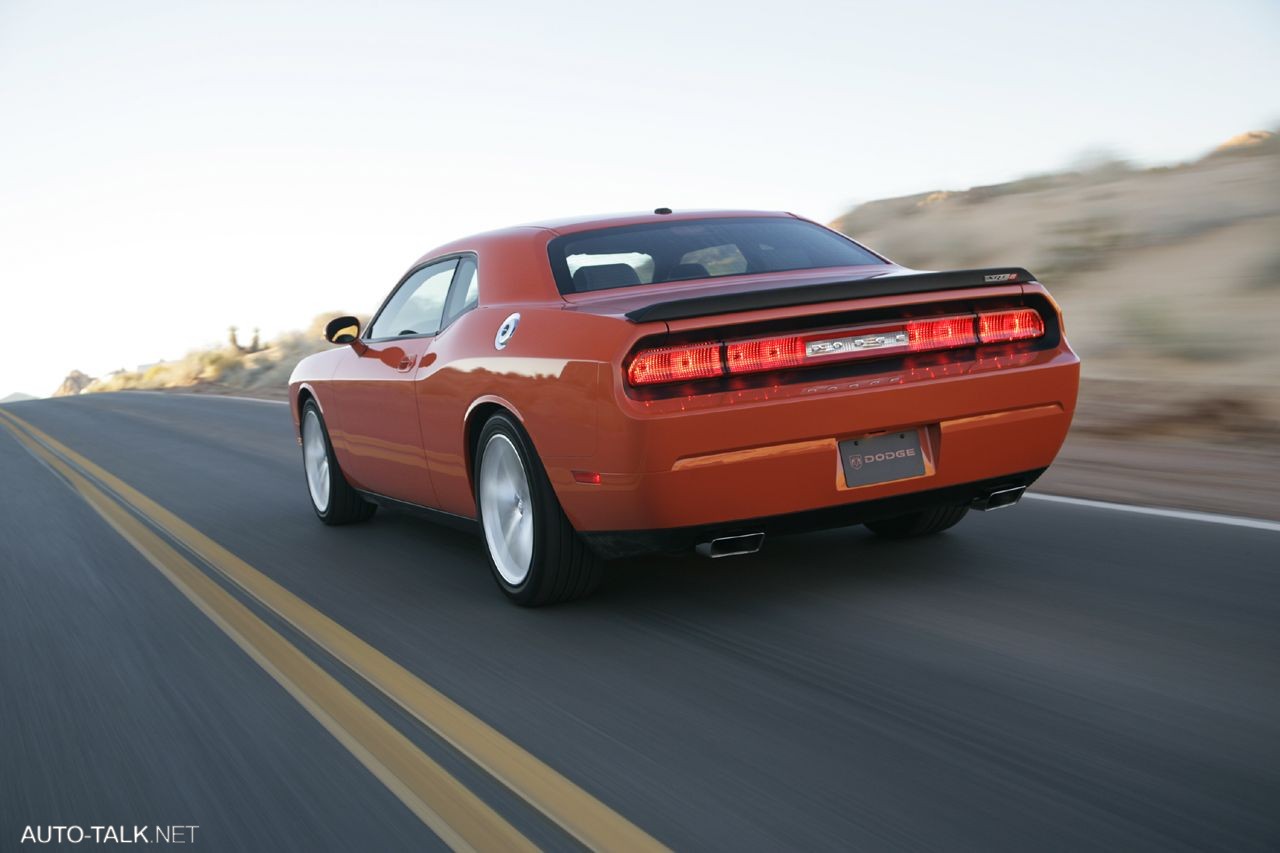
717,462
631,543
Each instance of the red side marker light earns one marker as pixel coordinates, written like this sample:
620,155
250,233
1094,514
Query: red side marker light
590,478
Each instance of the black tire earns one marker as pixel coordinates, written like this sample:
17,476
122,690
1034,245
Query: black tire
921,523
344,505
562,567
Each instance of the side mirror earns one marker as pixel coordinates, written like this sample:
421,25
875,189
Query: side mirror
343,330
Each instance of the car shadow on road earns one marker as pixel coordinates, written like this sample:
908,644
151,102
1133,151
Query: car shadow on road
842,562
419,558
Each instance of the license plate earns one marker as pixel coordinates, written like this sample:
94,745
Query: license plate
880,458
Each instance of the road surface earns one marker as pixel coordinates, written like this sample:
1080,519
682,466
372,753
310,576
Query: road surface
183,643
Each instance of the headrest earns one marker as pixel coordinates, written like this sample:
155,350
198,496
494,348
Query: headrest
683,271
604,276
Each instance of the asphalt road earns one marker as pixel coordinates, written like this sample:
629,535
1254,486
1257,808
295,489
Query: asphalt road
1050,677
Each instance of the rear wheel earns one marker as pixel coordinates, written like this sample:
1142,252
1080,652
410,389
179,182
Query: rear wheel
934,520
536,556
333,499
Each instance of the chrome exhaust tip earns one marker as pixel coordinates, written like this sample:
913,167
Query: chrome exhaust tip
999,499
731,546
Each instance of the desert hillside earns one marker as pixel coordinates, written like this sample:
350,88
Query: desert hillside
254,369
1169,273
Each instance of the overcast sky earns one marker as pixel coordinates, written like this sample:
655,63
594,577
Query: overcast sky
169,169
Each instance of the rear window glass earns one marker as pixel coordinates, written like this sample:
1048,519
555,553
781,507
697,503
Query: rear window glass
690,250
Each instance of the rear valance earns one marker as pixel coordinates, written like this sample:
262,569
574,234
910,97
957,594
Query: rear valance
889,285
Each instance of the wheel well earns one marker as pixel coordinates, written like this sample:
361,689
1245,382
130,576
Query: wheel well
303,396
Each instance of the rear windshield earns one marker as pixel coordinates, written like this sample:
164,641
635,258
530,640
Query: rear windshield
688,250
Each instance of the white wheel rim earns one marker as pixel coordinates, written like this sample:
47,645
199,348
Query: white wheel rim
506,509
315,459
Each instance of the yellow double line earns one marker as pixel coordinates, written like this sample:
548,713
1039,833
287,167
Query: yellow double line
456,815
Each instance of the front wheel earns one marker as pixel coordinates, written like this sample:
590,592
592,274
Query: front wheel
921,523
536,556
332,497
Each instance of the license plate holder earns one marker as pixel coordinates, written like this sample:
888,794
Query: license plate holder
881,458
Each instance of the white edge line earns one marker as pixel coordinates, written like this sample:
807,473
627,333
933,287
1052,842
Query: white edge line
1182,514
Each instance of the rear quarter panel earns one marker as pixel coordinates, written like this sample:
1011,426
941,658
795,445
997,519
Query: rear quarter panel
553,376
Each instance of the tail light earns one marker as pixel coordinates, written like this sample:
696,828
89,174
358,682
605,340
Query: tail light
675,364
1000,326
941,333
758,355
761,355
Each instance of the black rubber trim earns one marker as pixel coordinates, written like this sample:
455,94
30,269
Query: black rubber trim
631,543
888,285
439,516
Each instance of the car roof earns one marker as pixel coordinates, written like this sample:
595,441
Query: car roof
571,224
521,244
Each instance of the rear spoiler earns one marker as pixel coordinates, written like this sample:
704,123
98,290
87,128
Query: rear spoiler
888,285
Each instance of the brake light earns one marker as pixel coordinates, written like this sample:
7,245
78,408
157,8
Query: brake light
675,364
865,341
1018,325
766,354
941,333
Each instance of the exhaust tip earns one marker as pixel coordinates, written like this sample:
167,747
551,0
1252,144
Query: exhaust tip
999,499
731,546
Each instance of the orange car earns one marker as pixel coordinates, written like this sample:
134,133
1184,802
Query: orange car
607,387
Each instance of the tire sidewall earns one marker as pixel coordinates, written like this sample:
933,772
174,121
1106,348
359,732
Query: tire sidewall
334,470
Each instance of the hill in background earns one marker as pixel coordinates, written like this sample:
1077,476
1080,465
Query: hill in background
1170,273
254,370
75,383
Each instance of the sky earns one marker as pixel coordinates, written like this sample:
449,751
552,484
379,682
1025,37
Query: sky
171,169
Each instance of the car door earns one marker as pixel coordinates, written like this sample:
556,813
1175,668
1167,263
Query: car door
457,370
377,413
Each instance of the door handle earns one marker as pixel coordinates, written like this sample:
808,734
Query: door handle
406,364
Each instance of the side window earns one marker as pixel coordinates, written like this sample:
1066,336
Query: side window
465,294
416,308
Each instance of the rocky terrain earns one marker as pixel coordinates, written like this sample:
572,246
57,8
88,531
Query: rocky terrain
75,383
